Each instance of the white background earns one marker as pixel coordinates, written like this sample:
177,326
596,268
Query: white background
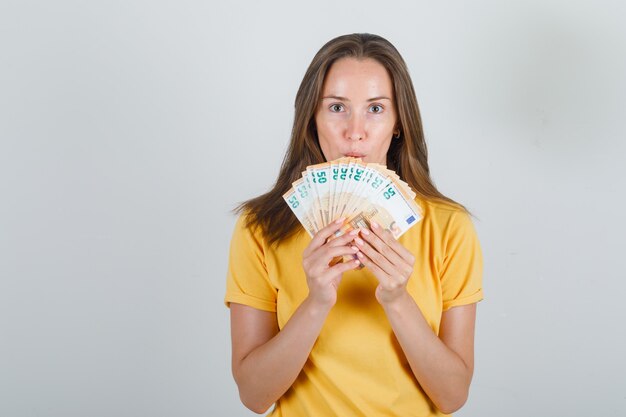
129,129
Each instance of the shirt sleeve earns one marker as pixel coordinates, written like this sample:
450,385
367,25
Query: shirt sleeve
247,279
462,272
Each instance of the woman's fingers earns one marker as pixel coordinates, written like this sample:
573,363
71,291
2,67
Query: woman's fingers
333,252
374,254
342,267
387,237
389,261
390,277
381,247
322,235
319,261
344,239
378,249
371,265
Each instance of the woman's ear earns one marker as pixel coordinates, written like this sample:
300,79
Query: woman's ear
397,130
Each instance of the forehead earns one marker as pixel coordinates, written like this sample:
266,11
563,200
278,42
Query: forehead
357,76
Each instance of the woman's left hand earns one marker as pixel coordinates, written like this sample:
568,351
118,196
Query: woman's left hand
389,261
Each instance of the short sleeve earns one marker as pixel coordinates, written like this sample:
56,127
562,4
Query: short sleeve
247,280
462,271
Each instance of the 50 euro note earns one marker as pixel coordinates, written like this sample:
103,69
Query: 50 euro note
393,209
360,192
299,200
319,175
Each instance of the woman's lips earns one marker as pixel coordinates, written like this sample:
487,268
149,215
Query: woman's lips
354,155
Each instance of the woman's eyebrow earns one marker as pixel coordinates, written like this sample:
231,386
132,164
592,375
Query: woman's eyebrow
336,98
379,98
347,99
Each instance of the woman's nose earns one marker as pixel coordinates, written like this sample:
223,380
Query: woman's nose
356,127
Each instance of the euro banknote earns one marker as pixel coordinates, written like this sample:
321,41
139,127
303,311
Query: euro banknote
357,191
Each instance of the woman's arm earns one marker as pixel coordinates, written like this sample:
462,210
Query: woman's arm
267,361
443,365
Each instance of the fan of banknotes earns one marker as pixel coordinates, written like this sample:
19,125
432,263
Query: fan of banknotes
357,191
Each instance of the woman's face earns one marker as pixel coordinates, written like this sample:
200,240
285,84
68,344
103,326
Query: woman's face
357,114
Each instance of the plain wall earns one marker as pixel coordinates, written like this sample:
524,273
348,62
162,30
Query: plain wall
129,130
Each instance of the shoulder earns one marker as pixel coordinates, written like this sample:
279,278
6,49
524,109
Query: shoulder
247,234
444,216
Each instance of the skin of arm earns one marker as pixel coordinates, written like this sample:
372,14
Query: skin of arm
261,368
443,365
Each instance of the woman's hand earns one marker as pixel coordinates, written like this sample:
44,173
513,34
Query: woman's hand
389,261
261,368
323,279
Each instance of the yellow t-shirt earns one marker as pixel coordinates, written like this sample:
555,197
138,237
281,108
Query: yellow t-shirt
357,367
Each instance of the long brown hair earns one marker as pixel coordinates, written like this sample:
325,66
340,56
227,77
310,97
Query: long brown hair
407,155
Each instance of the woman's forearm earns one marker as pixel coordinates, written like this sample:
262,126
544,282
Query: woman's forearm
268,371
440,371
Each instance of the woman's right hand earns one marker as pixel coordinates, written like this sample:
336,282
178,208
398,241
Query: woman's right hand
322,278
262,370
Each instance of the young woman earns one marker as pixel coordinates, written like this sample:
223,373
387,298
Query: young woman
395,338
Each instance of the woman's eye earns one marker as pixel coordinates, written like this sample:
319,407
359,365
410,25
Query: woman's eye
376,108
336,108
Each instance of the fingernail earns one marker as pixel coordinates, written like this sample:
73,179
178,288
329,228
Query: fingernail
365,232
359,254
374,225
354,248
339,220
359,241
354,232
